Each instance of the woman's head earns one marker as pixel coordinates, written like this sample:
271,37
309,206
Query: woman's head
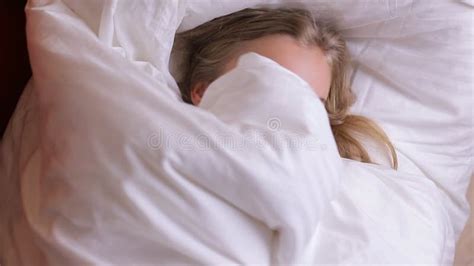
280,34
311,47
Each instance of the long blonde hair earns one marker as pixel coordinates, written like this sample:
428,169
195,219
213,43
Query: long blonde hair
206,49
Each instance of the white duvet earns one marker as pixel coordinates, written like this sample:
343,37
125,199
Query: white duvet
114,170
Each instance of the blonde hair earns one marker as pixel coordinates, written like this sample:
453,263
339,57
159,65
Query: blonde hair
208,47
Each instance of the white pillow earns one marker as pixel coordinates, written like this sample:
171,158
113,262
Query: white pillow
411,74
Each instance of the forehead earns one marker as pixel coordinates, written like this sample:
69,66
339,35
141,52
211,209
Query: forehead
308,62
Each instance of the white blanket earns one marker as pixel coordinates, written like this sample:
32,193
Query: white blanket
122,173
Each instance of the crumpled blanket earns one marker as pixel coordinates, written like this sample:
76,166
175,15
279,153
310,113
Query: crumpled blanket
125,174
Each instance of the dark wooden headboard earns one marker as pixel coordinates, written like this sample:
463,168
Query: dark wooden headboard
14,64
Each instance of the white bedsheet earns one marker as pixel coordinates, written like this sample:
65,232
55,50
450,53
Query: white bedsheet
103,188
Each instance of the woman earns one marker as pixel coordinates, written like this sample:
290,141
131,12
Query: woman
310,47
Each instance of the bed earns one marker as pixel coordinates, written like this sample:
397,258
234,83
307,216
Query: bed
417,37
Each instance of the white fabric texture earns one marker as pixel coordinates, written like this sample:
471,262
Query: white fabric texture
104,164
